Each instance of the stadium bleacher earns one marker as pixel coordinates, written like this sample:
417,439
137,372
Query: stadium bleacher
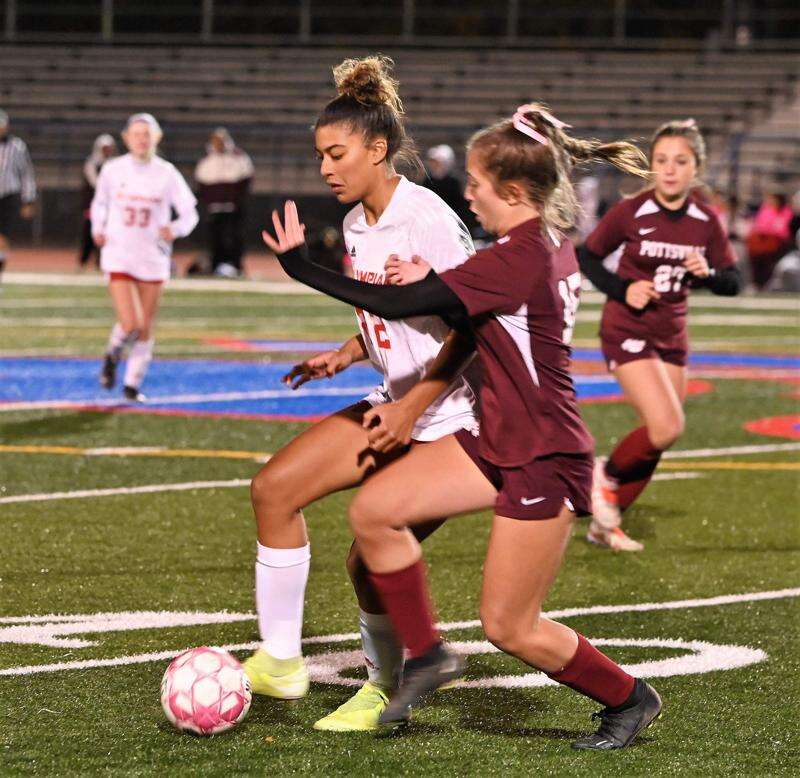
63,96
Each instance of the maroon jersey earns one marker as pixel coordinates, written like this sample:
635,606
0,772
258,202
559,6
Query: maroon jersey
522,295
654,243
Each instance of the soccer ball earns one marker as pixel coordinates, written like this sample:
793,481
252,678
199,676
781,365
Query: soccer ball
205,691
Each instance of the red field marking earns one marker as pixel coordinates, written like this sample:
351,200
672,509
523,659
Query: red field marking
776,426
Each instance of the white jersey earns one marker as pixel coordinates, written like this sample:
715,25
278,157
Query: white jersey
132,201
416,221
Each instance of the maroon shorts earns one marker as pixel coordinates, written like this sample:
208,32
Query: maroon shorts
539,488
627,335
619,349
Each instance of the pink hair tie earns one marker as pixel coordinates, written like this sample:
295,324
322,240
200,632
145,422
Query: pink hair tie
525,126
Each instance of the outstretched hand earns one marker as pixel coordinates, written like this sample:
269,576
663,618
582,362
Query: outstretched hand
325,365
400,272
290,234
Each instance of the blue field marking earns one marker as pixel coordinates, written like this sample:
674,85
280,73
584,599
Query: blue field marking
208,386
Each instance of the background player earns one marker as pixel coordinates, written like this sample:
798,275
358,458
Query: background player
359,138
17,183
670,241
103,149
534,463
133,226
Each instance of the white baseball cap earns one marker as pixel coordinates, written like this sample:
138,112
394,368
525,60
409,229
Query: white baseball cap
442,153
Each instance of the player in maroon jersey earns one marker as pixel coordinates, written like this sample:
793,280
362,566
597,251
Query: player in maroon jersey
533,459
670,241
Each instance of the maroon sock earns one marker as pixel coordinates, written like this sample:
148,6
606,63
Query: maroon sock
634,458
595,675
405,595
628,492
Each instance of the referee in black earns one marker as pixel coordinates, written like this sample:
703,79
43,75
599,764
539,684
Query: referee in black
17,184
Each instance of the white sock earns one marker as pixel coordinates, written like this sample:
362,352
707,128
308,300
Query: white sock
138,361
281,575
383,653
117,341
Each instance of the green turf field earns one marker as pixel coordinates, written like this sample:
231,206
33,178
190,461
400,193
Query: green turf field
731,527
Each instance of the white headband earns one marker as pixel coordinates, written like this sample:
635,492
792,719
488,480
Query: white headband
147,118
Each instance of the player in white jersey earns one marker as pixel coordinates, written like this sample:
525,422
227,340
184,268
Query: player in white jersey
133,226
358,137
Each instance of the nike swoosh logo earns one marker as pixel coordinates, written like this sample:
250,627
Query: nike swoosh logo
646,230
526,501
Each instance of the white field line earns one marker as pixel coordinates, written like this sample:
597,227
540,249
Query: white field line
162,349
330,317
310,319
188,399
149,489
678,475
767,448
182,487
103,303
73,624
292,287
184,284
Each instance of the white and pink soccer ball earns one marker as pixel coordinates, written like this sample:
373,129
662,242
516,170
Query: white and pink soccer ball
205,691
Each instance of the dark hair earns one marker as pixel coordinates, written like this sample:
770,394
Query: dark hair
509,154
780,197
368,102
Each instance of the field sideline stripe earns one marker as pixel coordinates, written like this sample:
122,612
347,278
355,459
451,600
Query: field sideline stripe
190,399
143,451
150,489
733,465
767,448
729,599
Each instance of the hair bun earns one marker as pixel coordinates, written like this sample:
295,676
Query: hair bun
368,81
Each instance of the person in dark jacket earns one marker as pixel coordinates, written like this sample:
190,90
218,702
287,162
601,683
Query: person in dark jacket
224,176
104,148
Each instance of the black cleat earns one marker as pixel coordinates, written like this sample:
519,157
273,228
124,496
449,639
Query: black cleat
421,677
108,373
618,729
132,394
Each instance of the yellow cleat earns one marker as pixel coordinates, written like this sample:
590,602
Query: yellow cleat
286,679
359,714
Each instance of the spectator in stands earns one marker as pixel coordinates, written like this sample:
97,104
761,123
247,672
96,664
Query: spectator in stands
224,176
104,148
769,238
439,162
786,277
17,183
